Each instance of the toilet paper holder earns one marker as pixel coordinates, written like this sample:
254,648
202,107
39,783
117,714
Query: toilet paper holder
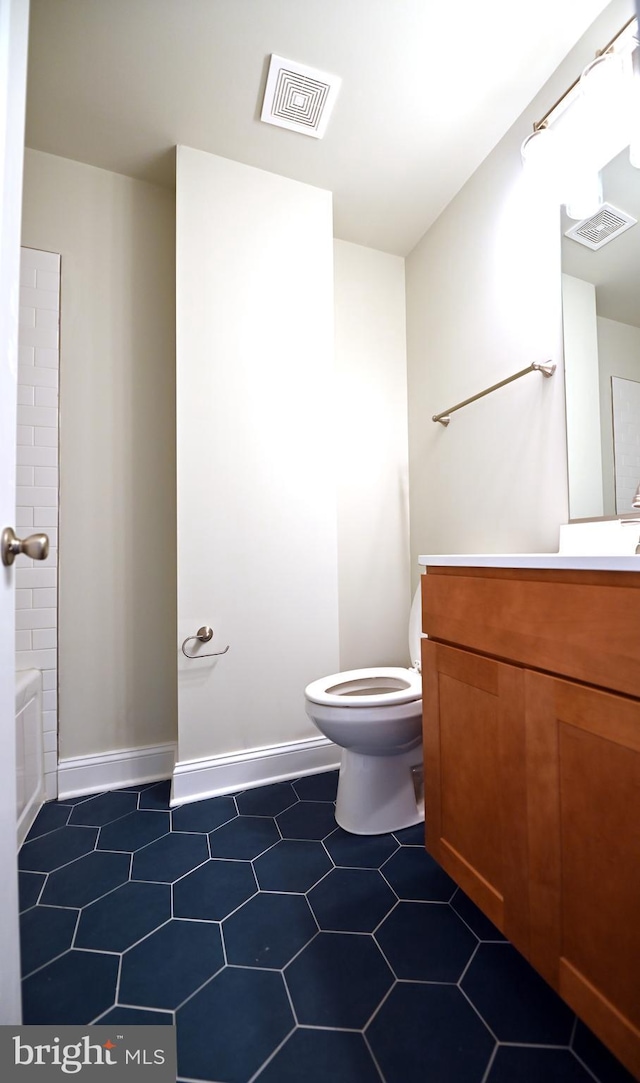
203,635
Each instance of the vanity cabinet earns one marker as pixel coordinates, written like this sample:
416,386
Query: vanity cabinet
531,700
475,780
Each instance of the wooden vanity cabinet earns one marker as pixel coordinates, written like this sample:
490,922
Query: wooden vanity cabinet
531,693
475,780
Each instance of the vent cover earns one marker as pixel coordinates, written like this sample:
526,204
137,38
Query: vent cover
298,97
594,232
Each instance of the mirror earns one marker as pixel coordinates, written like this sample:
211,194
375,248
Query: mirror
601,325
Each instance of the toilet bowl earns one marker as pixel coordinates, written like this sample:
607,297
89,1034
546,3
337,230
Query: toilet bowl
375,716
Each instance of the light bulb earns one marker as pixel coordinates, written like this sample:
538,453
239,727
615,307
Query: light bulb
584,195
606,92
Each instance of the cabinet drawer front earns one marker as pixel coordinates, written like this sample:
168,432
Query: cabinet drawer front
580,625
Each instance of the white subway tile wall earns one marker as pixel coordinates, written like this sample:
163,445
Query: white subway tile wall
37,485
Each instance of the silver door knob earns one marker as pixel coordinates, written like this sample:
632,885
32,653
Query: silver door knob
35,546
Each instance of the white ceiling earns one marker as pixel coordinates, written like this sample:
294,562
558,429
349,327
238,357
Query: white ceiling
428,89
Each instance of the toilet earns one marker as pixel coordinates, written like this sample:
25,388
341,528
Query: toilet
375,716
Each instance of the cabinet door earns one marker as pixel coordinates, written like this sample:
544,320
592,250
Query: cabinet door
584,842
475,801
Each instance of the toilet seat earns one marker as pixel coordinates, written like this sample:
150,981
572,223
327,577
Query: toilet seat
375,717
380,686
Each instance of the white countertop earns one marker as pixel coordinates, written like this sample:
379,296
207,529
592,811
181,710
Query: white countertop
586,562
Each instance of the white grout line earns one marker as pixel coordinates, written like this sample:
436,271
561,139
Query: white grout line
117,992
490,1064
373,1057
294,957
25,977
143,1008
469,961
585,1066
380,1005
200,988
59,867
270,1058
91,901
239,907
136,943
478,1013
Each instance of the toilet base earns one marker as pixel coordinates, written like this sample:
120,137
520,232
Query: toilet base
377,794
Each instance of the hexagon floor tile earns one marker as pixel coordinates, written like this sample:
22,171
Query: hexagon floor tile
426,942
124,916
168,966
338,981
429,1032
232,1025
516,1002
290,865
245,837
351,900
132,832
268,930
359,851
214,890
281,947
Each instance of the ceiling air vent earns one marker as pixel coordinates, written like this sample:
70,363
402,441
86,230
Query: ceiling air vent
594,232
298,97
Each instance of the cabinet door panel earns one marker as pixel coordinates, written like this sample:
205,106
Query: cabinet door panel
475,780
585,848
469,735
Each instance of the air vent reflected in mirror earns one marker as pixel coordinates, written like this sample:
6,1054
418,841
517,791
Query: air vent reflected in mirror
602,227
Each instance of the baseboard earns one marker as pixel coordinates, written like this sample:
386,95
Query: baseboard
196,779
111,770
29,814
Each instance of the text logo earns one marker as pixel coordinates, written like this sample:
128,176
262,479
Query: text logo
127,1053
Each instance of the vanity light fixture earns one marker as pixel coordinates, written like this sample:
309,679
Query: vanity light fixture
589,124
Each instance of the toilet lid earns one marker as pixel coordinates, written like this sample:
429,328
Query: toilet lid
415,628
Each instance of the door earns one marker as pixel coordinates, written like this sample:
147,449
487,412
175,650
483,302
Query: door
475,798
14,17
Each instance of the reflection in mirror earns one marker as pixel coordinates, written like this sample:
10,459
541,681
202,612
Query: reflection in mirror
601,323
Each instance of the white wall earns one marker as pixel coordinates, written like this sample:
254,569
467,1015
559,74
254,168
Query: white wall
117,618
580,340
257,530
483,301
626,441
370,425
619,354
117,458
37,486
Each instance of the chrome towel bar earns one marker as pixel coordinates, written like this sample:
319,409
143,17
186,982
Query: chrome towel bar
546,370
203,634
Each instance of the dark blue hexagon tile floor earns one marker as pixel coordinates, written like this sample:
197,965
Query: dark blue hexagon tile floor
282,948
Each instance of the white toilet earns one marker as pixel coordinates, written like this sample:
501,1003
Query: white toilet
375,715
